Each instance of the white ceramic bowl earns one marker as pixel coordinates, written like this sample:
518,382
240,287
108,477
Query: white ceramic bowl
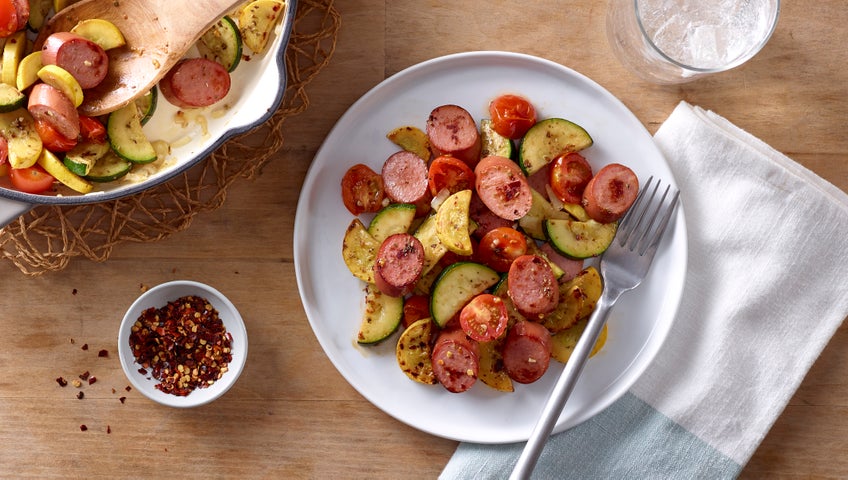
158,297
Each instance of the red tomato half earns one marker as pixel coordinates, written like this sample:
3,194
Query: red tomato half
8,18
92,130
362,190
484,318
31,179
415,308
500,246
512,115
52,139
569,175
451,173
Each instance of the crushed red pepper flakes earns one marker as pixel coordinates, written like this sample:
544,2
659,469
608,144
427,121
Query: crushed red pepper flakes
128,388
103,353
84,375
84,346
92,380
83,428
108,429
184,345
62,382
123,399
80,395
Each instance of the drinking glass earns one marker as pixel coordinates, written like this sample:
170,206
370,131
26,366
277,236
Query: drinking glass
676,41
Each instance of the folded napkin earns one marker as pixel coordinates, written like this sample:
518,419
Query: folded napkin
766,289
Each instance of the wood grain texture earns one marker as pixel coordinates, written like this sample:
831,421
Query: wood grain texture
291,414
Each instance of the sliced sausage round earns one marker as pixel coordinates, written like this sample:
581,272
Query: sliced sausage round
398,264
527,352
503,187
570,266
405,177
85,60
610,193
532,286
195,82
21,13
453,131
456,360
485,219
49,104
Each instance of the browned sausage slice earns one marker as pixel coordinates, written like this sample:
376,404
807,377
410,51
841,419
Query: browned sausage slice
405,177
452,131
485,219
195,83
527,352
22,13
532,286
398,264
503,187
610,193
456,361
85,60
49,104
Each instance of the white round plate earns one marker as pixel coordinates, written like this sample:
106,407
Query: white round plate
333,298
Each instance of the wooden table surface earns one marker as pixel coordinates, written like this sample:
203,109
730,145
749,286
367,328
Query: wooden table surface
291,415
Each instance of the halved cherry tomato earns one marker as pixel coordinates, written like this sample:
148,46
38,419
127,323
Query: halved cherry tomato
484,318
52,139
569,175
415,308
8,18
92,130
500,247
451,173
30,179
362,190
512,115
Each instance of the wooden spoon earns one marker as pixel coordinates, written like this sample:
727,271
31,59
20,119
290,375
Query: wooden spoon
158,34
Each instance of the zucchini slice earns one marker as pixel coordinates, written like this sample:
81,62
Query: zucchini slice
257,21
108,168
101,32
495,143
359,251
456,286
547,139
10,98
13,52
452,223
146,104
394,218
579,239
83,156
55,167
28,69
413,352
127,138
222,43
411,139
18,127
381,318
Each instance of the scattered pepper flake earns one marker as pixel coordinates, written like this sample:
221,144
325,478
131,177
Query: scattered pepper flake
84,346
83,427
128,388
75,382
62,382
108,429
84,375
103,353
123,399
92,380
80,395
74,291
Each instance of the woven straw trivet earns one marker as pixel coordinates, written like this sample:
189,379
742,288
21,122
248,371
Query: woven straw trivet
48,237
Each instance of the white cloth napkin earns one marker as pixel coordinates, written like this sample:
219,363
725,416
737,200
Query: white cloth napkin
766,288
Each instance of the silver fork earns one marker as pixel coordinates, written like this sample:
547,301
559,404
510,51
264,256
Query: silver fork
623,266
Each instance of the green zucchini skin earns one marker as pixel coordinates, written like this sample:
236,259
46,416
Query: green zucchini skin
548,139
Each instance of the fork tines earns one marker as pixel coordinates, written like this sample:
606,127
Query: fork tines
648,208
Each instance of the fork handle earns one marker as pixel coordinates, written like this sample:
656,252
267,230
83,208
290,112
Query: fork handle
564,386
